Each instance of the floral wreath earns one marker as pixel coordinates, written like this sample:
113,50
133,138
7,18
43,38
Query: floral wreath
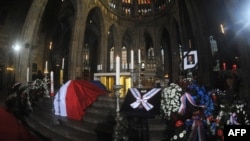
170,101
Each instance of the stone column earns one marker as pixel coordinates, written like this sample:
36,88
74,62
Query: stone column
75,67
28,38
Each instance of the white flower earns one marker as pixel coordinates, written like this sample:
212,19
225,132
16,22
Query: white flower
175,137
181,135
170,99
222,106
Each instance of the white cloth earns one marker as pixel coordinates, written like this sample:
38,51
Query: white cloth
59,100
143,99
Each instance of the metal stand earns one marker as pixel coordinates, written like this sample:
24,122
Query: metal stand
139,76
132,71
54,120
28,97
118,128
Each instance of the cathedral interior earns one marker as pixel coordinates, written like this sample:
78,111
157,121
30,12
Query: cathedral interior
152,38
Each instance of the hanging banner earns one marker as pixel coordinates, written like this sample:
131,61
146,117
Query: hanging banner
190,59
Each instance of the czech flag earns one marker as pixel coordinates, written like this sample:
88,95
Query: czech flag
74,97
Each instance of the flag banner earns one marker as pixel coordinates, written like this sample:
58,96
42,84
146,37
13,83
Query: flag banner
142,102
75,96
190,59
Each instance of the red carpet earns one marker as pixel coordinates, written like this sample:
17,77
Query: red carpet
12,130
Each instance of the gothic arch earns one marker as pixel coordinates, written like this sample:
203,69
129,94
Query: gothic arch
111,45
92,37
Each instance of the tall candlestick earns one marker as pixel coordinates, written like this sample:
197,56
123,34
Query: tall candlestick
190,45
50,45
132,59
117,74
111,67
28,74
224,66
61,77
111,60
139,56
51,83
46,67
63,63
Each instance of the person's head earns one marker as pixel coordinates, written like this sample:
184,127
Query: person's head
190,58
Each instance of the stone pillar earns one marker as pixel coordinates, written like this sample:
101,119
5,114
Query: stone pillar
75,67
28,38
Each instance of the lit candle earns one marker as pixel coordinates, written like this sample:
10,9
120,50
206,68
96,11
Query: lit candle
117,74
50,45
86,57
51,83
224,66
28,73
63,63
132,59
234,66
139,56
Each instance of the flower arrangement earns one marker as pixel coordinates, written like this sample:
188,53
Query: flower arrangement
170,101
218,112
202,97
39,88
226,113
22,97
182,127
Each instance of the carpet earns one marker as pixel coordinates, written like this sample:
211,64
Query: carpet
11,129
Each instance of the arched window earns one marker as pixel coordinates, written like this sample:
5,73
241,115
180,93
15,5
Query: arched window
151,53
162,55
111,59
86,57
124,58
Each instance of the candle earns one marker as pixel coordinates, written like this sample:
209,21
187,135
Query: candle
234,66
139,56
162,56
50,45
86,57
28,73
46,67
63,63
224,66
190,45
51,83
111,67
132,59
61,77
117,74
111,60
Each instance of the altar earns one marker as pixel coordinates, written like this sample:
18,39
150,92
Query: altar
108,79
